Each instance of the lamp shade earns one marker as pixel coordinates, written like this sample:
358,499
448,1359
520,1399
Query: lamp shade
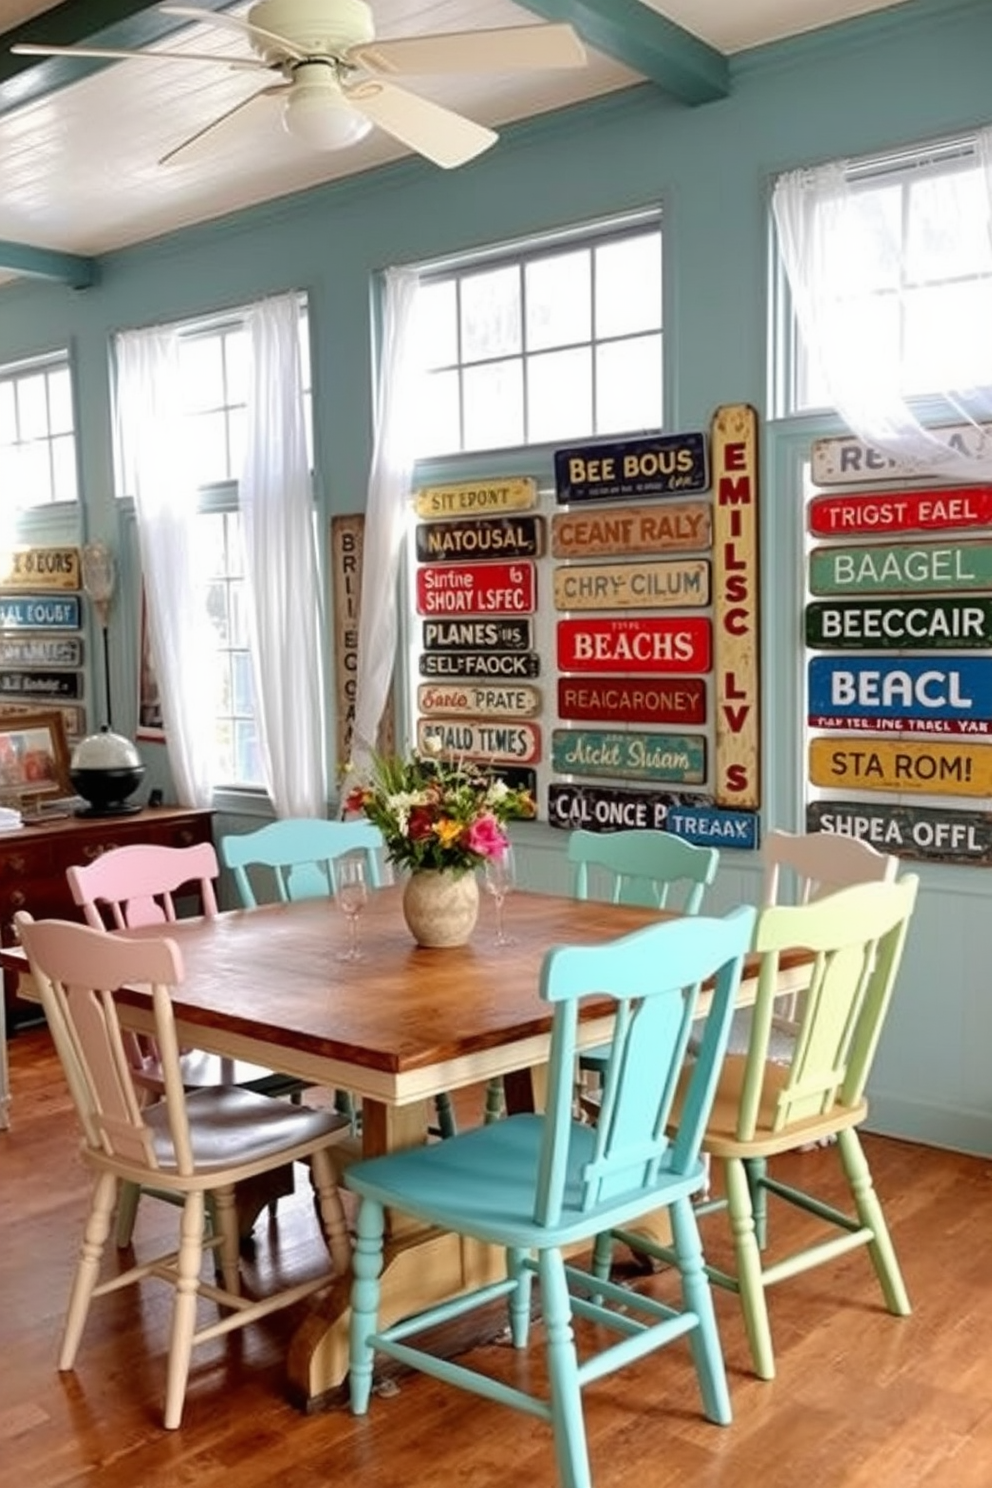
318,113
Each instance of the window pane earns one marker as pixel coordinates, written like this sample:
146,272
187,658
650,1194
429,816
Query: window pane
559,310
559,395
237,433
437,323
202,365
243,695
867,249
207,447
628,385
947,230
236,358
60,401
238,614
247,756
64,468
628,285
32,405
947,337
490,314
218,611
494,405
35,474
439,429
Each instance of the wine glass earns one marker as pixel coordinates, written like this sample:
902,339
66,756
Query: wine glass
499,878
351,894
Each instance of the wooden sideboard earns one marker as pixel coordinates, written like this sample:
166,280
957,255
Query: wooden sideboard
33,861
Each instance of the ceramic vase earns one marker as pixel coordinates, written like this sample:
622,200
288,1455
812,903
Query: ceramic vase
441,906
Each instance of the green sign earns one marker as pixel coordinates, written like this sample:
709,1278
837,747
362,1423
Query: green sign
902,568
673,757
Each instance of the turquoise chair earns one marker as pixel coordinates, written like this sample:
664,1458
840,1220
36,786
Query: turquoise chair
534,1185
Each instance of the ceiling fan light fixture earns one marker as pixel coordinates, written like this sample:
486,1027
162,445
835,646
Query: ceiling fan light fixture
323,118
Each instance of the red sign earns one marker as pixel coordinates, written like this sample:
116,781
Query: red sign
662,644
938,510
623,701
476,589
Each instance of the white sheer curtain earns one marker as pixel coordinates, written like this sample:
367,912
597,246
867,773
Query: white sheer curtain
386,506
848,255
281,573
151,441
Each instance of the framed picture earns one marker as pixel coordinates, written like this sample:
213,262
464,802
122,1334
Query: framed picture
34,758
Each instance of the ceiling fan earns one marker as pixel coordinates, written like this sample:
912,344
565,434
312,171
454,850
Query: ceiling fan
333,72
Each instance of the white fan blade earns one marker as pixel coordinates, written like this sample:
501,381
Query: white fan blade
234,23
438,133
221,119
29,49
509,50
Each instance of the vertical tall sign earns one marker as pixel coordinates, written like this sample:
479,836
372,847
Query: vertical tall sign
734,465
347,545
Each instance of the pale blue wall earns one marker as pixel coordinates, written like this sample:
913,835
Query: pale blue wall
904,76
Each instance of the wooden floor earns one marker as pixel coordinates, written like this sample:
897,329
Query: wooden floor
862,1400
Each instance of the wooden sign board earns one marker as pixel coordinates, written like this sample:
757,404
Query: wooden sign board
633,586
736,586
682,645
932,695
477,635
41,685
634,529
933,769
476,498
40,568
618,700
904,568
680,758
478,665
41,651
479,699
897,625
477,589
346,553
860,514
39,612
487,537
635,467
918,832
843,459
613,809
501,742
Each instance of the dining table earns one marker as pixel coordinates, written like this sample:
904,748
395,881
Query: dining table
396,1027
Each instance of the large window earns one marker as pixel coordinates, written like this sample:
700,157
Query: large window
544,344
37,433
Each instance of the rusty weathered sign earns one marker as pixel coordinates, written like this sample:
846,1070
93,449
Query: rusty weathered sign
476,589
635,467
902,568
680,758
477,635
841,459
669,584
476,498
933,769
479,699
862,514
505,665
896,625
40,568
602,808
622,700
634,529
682,644
930,695
486,537
55,685
503,742
39,612
919,832
41,651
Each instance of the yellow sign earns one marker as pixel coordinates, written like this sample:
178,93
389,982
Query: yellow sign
476,498
957,769
40,569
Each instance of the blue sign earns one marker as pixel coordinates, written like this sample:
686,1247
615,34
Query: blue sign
955,688
39,612
614,809
709,826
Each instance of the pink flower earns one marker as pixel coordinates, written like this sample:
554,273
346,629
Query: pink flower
487,838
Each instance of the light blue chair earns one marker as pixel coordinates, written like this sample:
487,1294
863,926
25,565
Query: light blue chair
534,1185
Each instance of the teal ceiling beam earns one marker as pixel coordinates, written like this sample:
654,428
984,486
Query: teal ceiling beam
629,32
43,263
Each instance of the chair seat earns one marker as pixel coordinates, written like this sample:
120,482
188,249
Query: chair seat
721,1129
484,1183
233,1127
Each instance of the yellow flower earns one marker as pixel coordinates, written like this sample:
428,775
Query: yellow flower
447,831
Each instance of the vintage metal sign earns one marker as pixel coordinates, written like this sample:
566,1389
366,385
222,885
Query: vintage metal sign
860,514
736,586
844,458
933,769
347,545
476,589
676,757
635,467
613,809
904,568
897,625
506,665
618,700
488,537
476,498
634,529
39,612
41,684
40,568
674,645
477,635
935,695
633,586
511,743
41,651
488,700
919,832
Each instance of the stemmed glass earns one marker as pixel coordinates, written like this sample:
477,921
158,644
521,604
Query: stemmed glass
500,876
351,895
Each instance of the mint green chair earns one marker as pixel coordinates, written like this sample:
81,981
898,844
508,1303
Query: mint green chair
534,1185
764,1107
